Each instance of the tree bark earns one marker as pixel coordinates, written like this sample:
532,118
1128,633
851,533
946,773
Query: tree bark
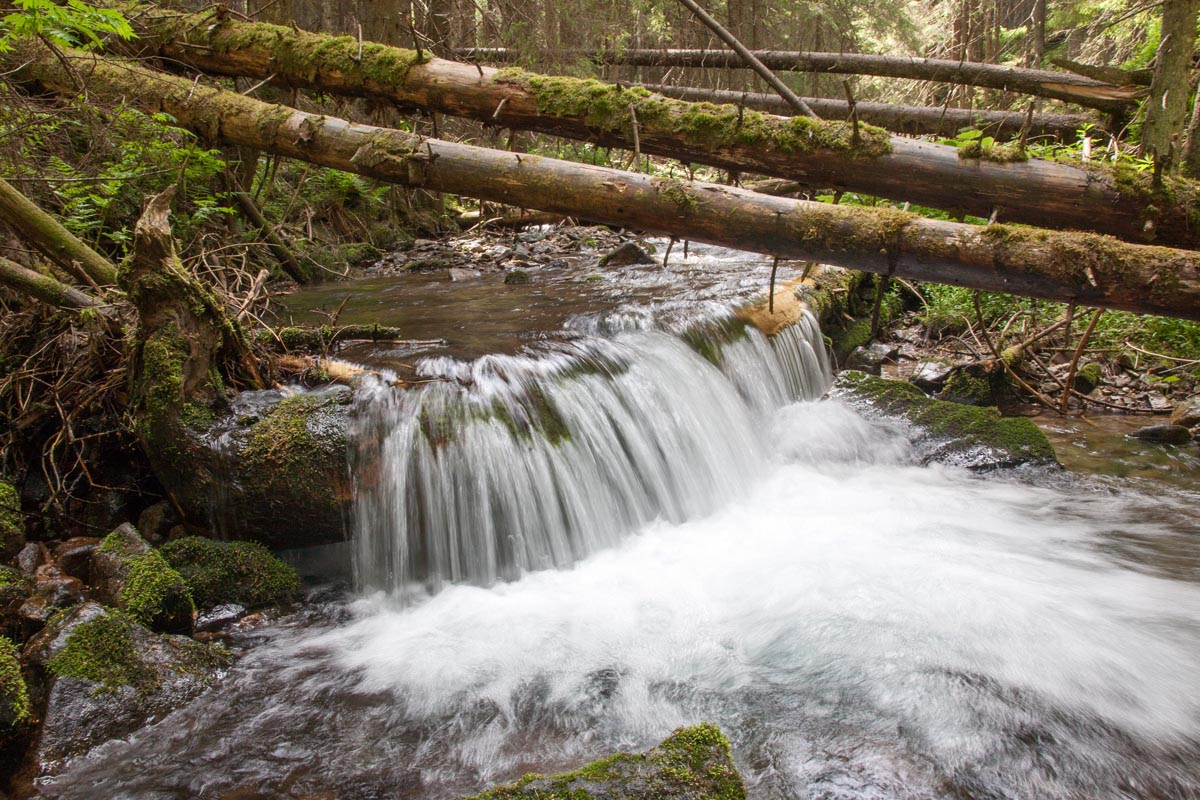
1040,83
56,242
1167,109
824,155
43,287
1084,268
908,120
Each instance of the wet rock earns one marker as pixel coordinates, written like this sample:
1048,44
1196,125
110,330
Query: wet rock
222,573
131,575
1088,377
459,274
1158,403
156,522
625,255
12,522
1163,434
871,358
219,617
109,676
1187,413
968,436
931,375
74,556
31,555
516,276
693,763
14,588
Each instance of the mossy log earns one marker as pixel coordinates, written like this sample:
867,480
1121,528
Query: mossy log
1064,86
1087,269
48,235
823,155
41,287
908,120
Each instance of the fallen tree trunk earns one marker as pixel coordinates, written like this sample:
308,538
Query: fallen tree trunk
54,241
1084,268
825,155
43,287
1065,86
909,120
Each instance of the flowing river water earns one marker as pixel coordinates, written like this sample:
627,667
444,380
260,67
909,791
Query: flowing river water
574,548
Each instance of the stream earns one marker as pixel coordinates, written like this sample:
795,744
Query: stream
575,541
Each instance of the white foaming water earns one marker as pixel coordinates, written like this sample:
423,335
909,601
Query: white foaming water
861,627
519,463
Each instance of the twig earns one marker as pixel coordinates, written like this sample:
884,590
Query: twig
1087,334
771,296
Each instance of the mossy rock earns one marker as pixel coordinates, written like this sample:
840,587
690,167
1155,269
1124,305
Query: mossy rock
245,573
1088,377
109,675
12,523
692,764
138,580
970,436
978,384
13,586
15,709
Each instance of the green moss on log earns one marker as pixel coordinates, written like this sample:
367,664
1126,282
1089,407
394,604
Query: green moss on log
611,109
15,709
245,573
693,764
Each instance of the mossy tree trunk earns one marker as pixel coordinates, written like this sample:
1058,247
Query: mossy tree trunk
43,287
819,154
58,244
1167,108
1085,268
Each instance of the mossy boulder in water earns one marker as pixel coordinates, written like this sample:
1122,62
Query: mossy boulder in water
219,573
131,575
108,675
12,524
692,764
969,436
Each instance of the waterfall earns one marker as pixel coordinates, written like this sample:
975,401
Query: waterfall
508,464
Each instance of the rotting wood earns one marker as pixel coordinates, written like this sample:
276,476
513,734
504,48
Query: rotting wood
48,235
1086,268
1127,205
1064,86
43,287
909,120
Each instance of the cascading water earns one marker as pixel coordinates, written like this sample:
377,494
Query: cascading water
509,464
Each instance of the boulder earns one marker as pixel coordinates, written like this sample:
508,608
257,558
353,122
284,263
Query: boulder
931,375
231,573
968,436
625,255
74,557
130,574
692,764
156,521
1163,434
108,676
52,590
12,522
1187,413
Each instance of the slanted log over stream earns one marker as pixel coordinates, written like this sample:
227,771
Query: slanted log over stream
823,155
1085,268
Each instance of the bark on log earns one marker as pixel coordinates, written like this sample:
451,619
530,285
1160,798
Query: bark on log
822,154
57,243
909,120
1084,268
1063,86
43,287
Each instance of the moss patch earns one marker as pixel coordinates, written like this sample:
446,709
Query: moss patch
236,572
103,651
692,764
151,592
1010,440
15,709
12,523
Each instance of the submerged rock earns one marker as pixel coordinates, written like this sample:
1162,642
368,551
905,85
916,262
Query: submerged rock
692,764
626,254
109,676
1163,434
969,436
